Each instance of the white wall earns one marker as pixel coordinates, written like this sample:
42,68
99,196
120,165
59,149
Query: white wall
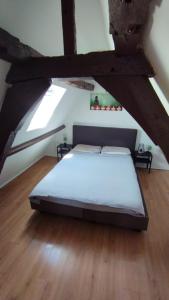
104,5
84,116
157,43
38,23
90,27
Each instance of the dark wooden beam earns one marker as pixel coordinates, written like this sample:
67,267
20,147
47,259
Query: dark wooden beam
69,26
34,141
138,97
81,84
97,63
127,22
12,50
18,102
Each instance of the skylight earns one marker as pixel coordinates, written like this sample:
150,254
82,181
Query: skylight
47,107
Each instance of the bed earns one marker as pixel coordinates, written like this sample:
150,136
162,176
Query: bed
95,186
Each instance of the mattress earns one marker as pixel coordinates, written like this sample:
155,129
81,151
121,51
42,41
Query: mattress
105,183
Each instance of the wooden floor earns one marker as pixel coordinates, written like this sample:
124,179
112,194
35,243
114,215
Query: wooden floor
53,258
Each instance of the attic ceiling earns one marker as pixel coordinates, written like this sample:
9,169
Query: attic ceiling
109,65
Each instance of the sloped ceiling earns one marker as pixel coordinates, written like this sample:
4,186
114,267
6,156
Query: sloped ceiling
38,23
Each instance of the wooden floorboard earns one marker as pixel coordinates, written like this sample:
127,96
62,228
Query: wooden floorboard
54,258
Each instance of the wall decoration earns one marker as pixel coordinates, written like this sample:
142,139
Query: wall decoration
104,102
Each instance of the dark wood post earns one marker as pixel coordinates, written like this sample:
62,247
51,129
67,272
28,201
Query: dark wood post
69,26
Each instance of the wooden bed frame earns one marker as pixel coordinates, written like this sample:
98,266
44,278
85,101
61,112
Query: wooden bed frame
102,136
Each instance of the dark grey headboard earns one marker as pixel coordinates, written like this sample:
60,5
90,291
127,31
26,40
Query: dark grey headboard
104,136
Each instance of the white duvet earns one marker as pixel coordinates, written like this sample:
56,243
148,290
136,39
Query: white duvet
102,182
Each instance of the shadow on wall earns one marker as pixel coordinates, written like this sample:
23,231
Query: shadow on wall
153,5
162,77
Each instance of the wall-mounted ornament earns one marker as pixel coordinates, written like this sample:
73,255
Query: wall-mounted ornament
104,102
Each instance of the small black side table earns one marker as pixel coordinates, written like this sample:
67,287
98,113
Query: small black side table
144,158
63,149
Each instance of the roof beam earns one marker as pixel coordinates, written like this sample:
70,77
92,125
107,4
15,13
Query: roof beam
127,22
80,84
139,98
34,141
12,50
84,65
69,26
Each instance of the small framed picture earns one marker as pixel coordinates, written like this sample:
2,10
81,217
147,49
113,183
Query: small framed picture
104,102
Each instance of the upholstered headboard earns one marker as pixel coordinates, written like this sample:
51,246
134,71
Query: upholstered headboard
104,136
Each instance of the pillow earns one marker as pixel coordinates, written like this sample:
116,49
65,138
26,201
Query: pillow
115,150
87,148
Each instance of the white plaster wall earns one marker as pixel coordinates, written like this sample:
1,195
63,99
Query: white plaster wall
38,23
84,116
104,5
156,43
90,27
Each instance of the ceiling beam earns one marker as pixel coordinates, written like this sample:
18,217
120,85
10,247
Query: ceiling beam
84,65
34,141
69,26
19,100
80,84
12,50
138,97
127,22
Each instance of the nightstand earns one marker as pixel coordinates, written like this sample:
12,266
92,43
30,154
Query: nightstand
144,158
63,149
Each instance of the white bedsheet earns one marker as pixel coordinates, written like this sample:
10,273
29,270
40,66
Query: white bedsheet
101,182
